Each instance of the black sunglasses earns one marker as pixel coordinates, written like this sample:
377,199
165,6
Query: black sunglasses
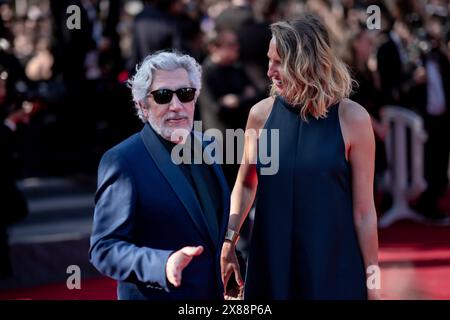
163,96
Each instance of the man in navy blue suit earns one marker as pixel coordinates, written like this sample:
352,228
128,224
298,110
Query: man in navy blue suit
159,227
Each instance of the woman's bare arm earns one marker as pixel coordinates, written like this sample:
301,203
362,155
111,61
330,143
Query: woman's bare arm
360,146
244,190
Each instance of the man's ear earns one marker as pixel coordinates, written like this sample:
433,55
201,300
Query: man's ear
143,109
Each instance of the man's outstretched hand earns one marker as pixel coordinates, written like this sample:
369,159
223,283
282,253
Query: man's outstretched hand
178,261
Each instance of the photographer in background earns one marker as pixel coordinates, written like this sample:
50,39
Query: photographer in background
228,92
398,70
414,69
433,104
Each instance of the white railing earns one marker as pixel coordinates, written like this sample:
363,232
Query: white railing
403,181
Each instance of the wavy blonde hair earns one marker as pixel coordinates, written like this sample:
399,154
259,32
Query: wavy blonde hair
314,78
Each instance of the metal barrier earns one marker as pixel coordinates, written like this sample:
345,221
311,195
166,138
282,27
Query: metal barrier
403,181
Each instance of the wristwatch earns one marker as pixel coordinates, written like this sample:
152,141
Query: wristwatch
232,236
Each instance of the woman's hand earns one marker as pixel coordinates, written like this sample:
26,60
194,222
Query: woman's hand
229,264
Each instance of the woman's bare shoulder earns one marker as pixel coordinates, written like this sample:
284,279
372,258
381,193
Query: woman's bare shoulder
353,114
259,113
355,120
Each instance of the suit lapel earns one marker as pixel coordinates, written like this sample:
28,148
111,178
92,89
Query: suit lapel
176,179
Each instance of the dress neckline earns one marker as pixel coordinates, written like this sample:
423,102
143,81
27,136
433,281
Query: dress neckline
287,105
296,109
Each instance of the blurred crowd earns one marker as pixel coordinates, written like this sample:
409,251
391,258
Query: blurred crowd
63,93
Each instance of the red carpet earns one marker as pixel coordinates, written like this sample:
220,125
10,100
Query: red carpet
91,289
415,263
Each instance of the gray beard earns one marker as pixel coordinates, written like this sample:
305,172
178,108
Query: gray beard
168,133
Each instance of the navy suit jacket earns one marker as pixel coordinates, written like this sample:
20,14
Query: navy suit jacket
145,209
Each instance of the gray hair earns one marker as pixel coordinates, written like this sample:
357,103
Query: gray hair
162,60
